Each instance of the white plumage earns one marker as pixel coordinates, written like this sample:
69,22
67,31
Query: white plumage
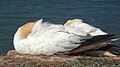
47,38
79,25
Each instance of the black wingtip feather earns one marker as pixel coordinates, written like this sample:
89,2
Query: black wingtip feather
95,43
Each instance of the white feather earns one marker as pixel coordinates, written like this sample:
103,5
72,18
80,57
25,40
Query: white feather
37,26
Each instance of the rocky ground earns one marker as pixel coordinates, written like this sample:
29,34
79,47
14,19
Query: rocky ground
13,59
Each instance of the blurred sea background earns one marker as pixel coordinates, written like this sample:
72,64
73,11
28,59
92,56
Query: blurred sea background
104,14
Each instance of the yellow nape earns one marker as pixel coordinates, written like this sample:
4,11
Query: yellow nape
26,29
69,22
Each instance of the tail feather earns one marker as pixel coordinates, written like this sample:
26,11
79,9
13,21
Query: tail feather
98,53
115,39
95,43
111,48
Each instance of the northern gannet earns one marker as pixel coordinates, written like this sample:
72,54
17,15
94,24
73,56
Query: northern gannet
46,38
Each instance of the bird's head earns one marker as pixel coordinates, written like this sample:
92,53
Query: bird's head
70,22
24,30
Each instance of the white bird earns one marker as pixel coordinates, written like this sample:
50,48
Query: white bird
48,39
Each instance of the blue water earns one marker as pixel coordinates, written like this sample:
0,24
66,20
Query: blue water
104,14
